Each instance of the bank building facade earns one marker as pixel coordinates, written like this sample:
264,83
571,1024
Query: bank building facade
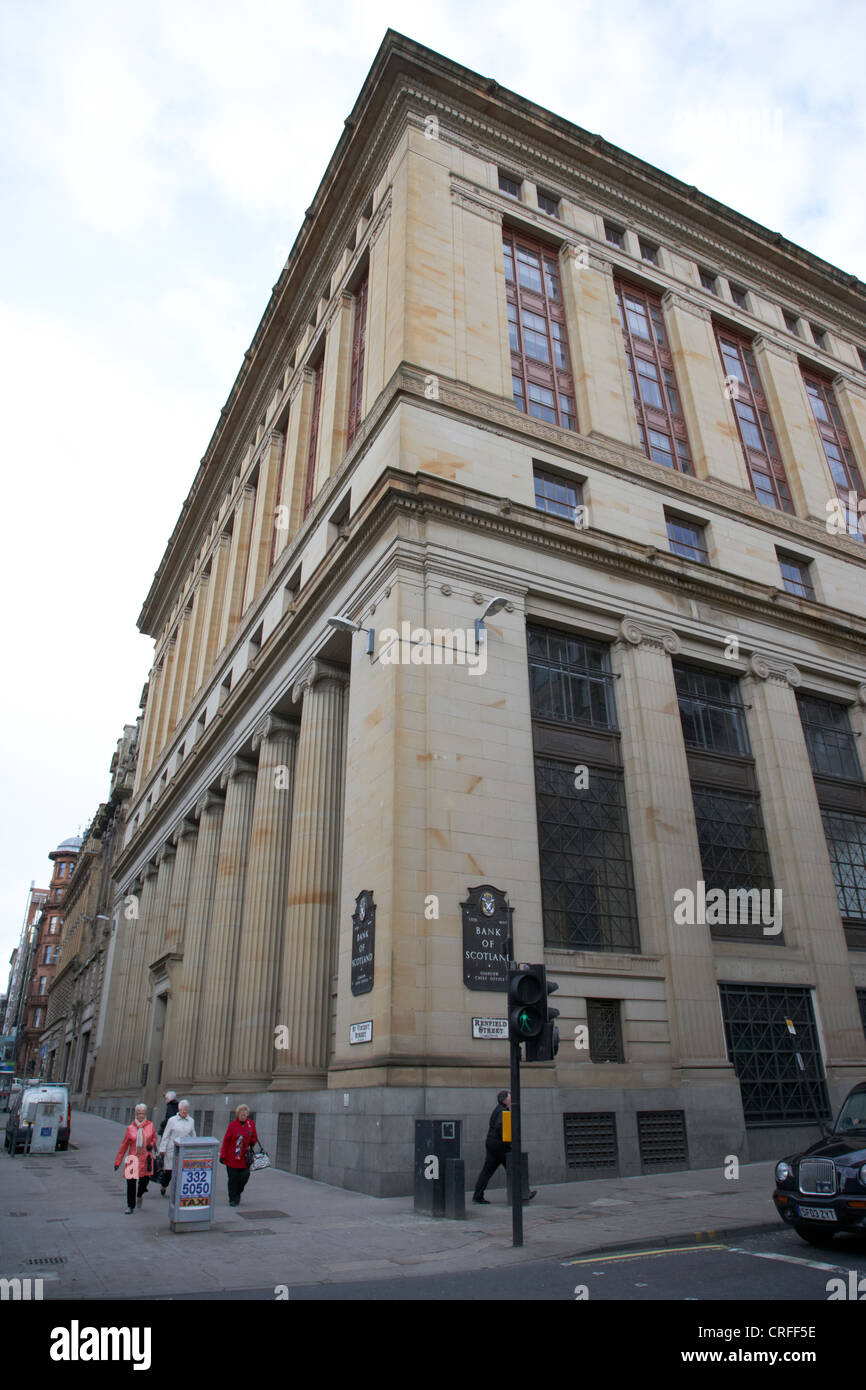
574,456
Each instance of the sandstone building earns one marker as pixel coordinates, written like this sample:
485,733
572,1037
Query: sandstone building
506,359
41,953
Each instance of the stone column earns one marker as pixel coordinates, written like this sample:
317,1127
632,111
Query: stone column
115,1027
709,415
598,359
800,444
239,783
134,1011
798,853
210,641
262,534
314,875
165,860
188,1012
184,840
665,850
264,914
237,566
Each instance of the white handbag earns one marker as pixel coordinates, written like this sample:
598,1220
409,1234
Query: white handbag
260,1160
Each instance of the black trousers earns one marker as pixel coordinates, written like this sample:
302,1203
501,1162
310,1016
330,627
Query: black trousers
165,1178
496,1156
238,1179
130,1189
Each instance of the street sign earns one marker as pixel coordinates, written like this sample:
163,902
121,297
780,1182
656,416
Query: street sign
490,1028
361,1032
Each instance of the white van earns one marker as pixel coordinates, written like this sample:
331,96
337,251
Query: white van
22,1113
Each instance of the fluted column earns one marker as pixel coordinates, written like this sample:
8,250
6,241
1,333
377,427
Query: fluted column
115,1021
162,899
665,850
185,841
134,1014
314,873
264,912
239,783
182,1062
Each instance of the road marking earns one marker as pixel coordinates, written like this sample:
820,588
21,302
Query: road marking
640,1254
787,1259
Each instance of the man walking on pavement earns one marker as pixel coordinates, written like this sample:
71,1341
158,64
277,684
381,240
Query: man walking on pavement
497,1149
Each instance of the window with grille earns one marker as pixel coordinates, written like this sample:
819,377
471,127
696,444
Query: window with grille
711,711
570,679
540,364
314,435
752,415
306,1145
829,737
795,575
356,384
774,1088
733,846
657,406
558,495
661,1136
687,538
837,446
590,1141
283,1158
587,884
548,203
605,1030
846,841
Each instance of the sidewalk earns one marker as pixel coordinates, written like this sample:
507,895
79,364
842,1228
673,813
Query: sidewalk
303,1232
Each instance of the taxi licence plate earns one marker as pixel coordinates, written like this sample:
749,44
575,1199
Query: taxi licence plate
817,1213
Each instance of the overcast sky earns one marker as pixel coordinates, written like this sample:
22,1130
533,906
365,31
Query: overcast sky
156,158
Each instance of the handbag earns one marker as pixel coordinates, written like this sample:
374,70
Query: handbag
260,1161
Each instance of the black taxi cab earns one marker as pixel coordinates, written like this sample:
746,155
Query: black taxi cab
822,1191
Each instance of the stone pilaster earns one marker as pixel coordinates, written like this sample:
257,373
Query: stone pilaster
181,1062
665,850
165,860
185,843
598,359
134,1009
264,912
115,1030
239,783
314,874
799,442
798,851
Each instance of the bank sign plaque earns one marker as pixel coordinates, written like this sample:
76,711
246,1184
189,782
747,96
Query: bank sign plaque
363,942
486,937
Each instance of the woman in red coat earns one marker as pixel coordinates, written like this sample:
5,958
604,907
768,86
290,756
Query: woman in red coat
139,1145
239,1137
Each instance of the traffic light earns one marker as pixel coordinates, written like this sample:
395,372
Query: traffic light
545,1045
527,997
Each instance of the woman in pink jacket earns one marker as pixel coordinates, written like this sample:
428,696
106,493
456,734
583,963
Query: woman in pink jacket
139,1145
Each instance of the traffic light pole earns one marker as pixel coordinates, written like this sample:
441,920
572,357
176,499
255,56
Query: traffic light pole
516,1155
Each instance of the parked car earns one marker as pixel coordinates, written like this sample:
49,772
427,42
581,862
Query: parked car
822,1191
22,1113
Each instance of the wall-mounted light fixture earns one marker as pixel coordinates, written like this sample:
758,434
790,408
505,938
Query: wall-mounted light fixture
494,606
348,625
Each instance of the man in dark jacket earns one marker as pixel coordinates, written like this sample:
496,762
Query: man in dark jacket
497,1149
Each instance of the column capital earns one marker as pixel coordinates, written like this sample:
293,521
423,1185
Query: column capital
272,727
166,851
149,871
236,767
186,827
211,801
763,343
638,633
672,300
316,671
773,668
861,693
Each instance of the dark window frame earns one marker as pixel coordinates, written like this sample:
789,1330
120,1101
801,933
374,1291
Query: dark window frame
763,460
653,351
702,555
359,344
540,314
801,585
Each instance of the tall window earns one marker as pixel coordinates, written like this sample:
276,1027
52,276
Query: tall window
587,886
359,338
653,384
314,436
540,365
834,437
766,469
780,1083
841,792
734,854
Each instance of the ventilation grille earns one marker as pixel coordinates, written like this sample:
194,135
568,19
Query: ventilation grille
662,1139
285,1125
590,1141
306,1143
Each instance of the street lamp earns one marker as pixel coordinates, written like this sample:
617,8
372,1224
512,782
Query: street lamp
349,625
494,606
